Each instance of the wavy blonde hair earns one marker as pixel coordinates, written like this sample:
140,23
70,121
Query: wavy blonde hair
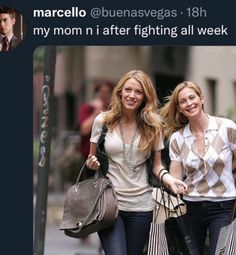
173,119
148,120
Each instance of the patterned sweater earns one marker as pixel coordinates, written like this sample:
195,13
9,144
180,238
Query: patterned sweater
209,177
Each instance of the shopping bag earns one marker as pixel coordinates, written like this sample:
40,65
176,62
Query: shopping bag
167,205
157,244
170,235
180,240
226,244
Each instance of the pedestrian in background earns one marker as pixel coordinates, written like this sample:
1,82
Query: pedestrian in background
201,150
88,111
134,130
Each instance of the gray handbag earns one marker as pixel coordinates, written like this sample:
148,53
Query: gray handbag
90,206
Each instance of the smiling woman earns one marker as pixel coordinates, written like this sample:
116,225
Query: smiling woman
201,151
132,94
134,131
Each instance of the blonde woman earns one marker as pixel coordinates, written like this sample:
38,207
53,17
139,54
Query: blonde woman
201,151
134,129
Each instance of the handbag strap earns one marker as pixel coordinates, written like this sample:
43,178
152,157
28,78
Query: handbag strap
101,152
97,173
82,223
80,173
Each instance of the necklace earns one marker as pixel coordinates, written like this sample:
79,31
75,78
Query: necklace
127,154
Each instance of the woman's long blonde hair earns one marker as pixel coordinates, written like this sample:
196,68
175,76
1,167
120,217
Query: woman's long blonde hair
173,119
148,119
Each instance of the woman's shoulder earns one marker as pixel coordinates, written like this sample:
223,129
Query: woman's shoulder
221,121
100,119
97,125
177,135
179,132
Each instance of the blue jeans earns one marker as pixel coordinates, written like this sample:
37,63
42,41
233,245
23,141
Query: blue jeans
128,235
208,216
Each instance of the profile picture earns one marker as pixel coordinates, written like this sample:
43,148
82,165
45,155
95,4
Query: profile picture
12,28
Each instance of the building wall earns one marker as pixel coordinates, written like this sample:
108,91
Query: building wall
217,63
78,66
112,62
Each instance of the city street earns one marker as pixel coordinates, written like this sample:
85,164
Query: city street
56,242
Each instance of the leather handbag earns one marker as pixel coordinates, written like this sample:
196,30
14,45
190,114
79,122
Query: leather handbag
90,206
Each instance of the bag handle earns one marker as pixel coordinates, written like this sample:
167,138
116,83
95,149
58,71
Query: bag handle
169,201
97,173
156,211
178,197
80,173
161,188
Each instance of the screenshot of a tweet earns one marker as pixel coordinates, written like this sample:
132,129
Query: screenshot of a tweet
118,127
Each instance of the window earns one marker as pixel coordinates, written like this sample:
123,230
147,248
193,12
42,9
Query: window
212,95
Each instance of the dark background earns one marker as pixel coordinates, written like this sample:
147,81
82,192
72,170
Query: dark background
16,104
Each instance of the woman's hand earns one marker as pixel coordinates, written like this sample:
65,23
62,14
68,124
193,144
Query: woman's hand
92,162
175,185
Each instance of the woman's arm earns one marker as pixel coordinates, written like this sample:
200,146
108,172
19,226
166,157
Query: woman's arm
92,161
176,169
158,168
176,185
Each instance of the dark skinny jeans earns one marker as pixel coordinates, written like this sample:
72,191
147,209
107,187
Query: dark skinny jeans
208,216
128,235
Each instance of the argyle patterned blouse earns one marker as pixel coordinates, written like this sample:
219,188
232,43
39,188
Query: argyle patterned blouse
209,177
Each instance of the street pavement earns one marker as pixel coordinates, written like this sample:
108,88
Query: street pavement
56,242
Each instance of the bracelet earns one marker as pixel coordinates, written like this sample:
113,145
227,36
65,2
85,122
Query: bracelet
160,172
163,176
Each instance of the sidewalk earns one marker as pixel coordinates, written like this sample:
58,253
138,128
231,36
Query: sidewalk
56,242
